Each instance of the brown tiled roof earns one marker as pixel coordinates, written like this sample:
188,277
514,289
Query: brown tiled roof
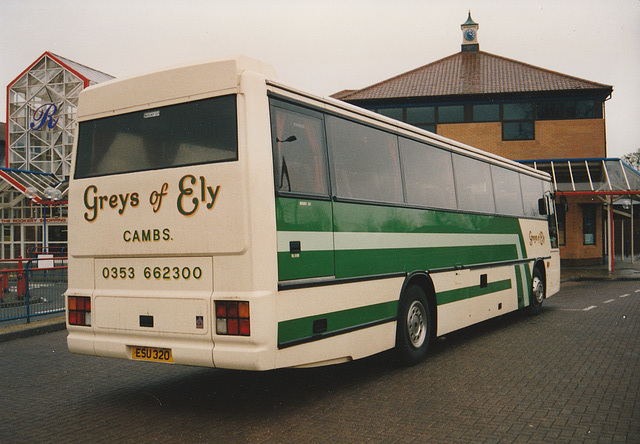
343,93
470,73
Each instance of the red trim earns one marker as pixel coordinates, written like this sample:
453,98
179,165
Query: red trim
24,72
68,68
12,181
58,61
17,185
53,203
611,244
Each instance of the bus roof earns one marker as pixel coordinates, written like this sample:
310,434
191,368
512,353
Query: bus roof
167,86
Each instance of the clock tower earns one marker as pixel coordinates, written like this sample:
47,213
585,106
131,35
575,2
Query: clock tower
470,35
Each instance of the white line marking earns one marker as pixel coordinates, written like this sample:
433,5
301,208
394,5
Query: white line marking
589,308
608,301
637,291
624,295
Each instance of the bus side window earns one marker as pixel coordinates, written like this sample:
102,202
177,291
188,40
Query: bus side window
299,153
473,184
365,162
428,175
506,190
531,192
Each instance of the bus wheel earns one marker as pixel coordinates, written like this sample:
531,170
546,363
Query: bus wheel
414,326
537,292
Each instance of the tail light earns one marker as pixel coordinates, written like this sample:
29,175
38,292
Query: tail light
79,308
232,318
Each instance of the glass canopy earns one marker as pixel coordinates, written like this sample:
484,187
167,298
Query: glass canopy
589,176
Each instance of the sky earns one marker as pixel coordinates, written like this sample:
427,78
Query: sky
325,46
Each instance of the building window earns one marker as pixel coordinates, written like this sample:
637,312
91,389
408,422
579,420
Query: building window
517,111
423,117
518,131
589,224
394,113
517,121
583,109
451,114
569,109
549,111
486,113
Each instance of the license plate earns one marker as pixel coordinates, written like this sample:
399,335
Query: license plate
151,354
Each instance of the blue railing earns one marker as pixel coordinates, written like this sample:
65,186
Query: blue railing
32,287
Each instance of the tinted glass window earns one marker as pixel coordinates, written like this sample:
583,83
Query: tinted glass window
549,110
531,191
427,127
451,114
583,109
486,113
394,113
473,184
589,224
189,133
517,111
365,161
299,152
506,190
428,175
518,131
421,114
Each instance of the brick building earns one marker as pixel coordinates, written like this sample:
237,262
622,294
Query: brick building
524,113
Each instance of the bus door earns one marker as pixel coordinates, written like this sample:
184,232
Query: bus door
304,214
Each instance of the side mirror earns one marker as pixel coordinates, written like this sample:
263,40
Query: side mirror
542,207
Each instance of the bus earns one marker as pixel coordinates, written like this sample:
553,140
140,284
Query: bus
220,218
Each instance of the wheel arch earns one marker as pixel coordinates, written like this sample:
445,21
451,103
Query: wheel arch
539,265
423,280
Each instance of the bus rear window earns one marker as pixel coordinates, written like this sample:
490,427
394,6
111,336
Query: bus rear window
203,131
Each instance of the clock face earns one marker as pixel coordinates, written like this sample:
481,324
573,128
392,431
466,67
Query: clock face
469,35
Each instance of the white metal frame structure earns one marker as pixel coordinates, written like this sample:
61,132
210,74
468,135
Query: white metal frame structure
41,114
608,178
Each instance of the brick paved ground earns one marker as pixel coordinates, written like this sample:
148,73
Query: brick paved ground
571,374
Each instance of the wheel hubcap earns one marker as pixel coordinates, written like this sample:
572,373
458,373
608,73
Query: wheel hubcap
416,324
538,290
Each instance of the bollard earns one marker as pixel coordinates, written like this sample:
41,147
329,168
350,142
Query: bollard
22,287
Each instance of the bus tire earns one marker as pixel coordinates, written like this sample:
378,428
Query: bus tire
413,330
537,294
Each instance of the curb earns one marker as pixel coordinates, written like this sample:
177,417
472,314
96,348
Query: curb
32,331
600,278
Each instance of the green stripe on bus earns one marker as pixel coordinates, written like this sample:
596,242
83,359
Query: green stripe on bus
303,215
446,297
306,264
302,328
349,217
354,263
